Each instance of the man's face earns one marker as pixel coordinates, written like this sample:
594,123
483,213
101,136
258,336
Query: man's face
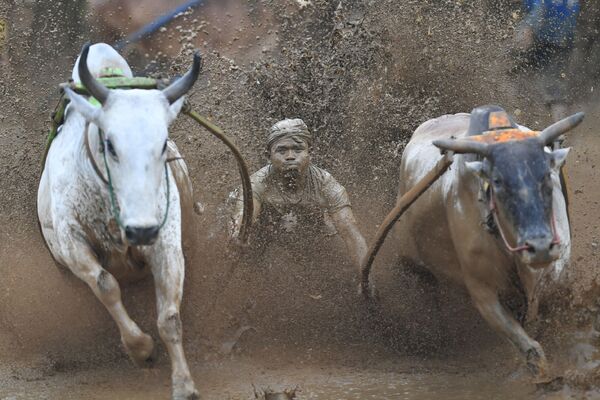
290,157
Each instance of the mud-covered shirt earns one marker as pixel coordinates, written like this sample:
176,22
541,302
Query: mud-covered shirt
282,211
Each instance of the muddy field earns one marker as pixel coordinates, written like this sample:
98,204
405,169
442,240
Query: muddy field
363,75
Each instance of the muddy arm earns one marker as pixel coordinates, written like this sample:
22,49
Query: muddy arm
345,223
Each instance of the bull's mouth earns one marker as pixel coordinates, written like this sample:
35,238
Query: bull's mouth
538,260
141,236
141,242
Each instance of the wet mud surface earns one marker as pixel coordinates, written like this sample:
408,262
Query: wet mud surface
364,373
362,75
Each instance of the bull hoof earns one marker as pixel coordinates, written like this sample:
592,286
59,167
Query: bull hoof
190,396
549,384
142,351
536,363
185,391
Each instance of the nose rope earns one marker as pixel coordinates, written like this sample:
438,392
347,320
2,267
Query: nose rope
494,211
113,201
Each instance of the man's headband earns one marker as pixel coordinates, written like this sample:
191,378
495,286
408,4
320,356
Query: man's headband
288,128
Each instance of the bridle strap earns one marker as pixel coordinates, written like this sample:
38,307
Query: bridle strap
108,181
494,212
88,151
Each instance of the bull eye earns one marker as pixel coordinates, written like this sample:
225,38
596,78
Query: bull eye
111,149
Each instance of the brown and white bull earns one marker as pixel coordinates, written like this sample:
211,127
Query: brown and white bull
110,204
497,216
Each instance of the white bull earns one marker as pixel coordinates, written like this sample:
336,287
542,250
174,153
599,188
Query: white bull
99,233
496,222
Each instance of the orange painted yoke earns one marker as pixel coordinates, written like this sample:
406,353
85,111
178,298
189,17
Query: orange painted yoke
504,135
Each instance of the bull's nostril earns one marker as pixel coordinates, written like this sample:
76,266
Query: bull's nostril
129,232
530,247
152,231
141,235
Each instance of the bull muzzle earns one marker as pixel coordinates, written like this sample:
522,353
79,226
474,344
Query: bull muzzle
540,251
141,235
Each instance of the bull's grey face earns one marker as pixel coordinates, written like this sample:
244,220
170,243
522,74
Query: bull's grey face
135,128
520,175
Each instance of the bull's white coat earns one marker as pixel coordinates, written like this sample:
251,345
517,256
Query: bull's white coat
444,231
74,207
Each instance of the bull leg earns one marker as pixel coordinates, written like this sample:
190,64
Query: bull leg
137,344
486,301
168,279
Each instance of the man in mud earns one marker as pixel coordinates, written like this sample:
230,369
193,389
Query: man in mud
291,194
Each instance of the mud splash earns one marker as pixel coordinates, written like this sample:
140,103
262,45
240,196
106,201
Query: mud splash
363,75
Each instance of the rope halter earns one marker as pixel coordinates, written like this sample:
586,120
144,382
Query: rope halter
494,211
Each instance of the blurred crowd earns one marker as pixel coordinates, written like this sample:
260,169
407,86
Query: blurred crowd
557,41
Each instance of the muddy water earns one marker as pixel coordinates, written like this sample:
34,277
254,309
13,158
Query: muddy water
416,386
370,377
349,387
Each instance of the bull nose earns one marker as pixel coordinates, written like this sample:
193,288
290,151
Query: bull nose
541,250
138,235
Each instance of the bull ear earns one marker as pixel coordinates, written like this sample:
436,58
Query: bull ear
476,167
558,157
174,109
85,108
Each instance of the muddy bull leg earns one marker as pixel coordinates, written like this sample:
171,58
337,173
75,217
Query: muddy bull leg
138,345
168,280
402,205
486,301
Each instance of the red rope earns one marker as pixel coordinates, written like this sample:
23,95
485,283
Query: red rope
494,211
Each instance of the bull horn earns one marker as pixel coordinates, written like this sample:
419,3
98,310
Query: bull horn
551,133
95,88
181,86
462,146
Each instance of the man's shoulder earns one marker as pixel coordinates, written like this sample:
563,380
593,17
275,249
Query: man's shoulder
260,179
319,172
330,192
322,176
262,173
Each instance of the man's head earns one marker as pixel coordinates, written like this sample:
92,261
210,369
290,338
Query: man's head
288,146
